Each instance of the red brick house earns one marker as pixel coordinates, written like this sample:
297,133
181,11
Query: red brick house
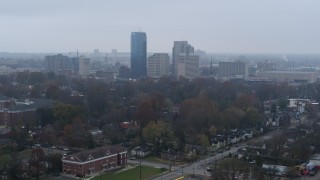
105,158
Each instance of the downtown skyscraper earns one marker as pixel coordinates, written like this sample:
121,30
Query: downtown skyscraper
180,48
184,62
138,54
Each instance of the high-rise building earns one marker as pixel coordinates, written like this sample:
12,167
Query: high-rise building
114,54
184,62
58,63
187,66
158,65
138,54
84,66
180,48
96,55
233,69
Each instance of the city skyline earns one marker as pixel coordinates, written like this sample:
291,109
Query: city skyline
247,26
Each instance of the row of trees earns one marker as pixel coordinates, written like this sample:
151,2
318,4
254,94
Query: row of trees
206,106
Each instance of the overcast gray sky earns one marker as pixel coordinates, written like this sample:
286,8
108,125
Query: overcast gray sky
233,26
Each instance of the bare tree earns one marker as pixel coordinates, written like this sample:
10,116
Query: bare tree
230,169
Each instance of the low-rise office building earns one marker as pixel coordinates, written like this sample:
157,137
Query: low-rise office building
289,76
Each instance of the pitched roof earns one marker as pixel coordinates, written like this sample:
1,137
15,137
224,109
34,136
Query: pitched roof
30,104
95,153
4,98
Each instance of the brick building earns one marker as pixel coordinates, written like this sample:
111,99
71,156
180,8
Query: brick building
17,113
105,158
5,101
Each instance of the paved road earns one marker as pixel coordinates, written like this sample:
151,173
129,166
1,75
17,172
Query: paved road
316,177
200,167
196,168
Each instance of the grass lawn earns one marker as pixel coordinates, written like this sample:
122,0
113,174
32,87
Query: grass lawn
159,160
132,174
155,159
26,154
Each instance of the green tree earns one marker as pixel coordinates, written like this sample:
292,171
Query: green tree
159,133
46,116
65,113
5,162
56,163
203,140
251,118
230,118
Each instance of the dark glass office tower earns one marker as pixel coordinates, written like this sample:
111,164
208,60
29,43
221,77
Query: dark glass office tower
138,54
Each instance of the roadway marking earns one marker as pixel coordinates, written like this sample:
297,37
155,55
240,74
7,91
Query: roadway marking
179,178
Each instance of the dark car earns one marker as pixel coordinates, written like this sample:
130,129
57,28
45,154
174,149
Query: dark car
220,150
313,172
209,169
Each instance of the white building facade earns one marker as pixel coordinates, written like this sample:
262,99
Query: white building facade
158,65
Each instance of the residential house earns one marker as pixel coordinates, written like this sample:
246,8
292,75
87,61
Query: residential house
219,141
248,133
140,151
105,158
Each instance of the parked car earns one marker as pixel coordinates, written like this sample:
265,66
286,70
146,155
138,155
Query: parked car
313,172
220,150
252,162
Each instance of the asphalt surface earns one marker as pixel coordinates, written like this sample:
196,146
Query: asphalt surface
200,167
316,177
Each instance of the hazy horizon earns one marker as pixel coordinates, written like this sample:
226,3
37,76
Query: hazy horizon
231,26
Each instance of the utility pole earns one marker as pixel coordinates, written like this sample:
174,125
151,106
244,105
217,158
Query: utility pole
140,169
193,169
250,174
